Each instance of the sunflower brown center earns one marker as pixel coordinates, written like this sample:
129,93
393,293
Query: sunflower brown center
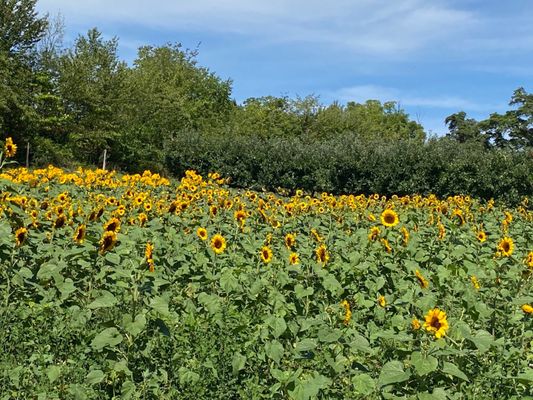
389,218
435,323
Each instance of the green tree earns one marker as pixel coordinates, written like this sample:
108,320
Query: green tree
20,31
91,83
20,27
515,127
462,129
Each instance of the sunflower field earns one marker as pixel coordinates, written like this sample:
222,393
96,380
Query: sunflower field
137,287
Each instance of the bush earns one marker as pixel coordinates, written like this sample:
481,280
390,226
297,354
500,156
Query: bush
349,165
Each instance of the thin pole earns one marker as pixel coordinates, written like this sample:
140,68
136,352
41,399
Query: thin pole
27,154
105,156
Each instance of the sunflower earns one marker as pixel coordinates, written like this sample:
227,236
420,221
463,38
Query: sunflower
389,218
142,219
405,234
79,235
10,148
381,301
415,324
201,233
442,231
316,235
218,244
173,207
148,254
113,225
506,246
20,235
239,215
294,258
213,210
290,240
423,281
266,254
322,254
108,241
148,251
387,245
436,322
527,309
481,236
60,221
374,233
529,259
62,197
475,282
347,312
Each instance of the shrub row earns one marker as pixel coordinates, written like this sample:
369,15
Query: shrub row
346,165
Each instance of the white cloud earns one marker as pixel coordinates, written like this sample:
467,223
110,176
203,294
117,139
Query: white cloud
381,27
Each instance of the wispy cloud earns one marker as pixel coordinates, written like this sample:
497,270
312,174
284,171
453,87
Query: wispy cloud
381,27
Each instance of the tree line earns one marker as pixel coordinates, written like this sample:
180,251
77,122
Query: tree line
167,113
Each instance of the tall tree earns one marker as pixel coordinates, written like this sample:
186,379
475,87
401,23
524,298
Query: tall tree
91,82
20,27
461,128
20,30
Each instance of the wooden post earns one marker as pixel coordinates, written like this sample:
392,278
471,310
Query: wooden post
105,156
27,154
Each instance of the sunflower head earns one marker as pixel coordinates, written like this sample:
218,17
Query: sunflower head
374,233
218,244
266,254
10,148
294,259
60,221
481,236
347,312
290,240
528,309
381,301
436,322
108,241
322,254
79,235
239,215
201,233
113,225
389,218
20,235
506,246
415,324
148,251
423,281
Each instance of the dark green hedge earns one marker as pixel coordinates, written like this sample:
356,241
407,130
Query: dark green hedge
347,165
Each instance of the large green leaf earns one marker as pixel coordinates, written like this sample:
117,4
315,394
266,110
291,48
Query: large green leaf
452,369
424,364
392,372
109,337
106,299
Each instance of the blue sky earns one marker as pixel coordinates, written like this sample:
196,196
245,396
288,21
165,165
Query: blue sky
433,57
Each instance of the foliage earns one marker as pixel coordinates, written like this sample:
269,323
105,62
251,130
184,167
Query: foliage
82,321
346,164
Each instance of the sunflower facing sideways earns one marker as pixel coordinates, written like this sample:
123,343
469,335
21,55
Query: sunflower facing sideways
109,238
